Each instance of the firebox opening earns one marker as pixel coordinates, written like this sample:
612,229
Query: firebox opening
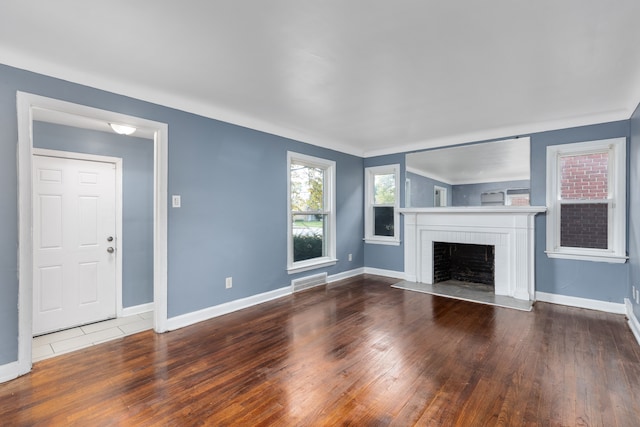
464,262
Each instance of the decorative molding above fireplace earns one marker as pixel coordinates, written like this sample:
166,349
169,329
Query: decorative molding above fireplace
509,229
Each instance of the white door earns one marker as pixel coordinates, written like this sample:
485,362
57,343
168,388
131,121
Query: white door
74,242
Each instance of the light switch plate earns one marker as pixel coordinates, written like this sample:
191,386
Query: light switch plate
175,201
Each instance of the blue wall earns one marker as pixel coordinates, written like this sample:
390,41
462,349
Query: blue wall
469,194
137,197
584,279
634,210
233,218
421,189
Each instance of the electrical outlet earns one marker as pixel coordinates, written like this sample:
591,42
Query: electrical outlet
228,282
350,257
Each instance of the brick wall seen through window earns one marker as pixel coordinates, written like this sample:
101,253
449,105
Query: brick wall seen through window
584,177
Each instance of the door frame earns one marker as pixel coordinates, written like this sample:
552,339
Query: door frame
30,105
117,161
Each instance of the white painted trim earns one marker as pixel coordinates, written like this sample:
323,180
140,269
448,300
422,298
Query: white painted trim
117,161
27,104
634,324
18,59
424,174
231,306
591,304
388,273
9,372
313,264
137,309
225,308
329,193
617,211
160,223
345,275
369,174
499,133
185,103
373,241
594,258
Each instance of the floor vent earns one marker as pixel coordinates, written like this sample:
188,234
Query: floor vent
309,282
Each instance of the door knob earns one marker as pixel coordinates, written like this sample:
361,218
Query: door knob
110,239
110,250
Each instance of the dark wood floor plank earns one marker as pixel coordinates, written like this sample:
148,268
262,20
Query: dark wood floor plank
357,352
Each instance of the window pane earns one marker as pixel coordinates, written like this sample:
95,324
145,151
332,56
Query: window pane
584,176
384,189
383,220
308,237
307,186
584,225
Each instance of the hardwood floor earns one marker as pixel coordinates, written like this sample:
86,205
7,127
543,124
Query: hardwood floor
356,353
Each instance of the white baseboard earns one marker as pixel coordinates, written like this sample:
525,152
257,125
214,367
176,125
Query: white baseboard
137,309
634,324
387,273
228,307
9,371
345,275
592,304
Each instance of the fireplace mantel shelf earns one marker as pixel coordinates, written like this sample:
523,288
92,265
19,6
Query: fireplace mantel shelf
528,210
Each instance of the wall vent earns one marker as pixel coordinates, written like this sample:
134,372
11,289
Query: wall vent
308,282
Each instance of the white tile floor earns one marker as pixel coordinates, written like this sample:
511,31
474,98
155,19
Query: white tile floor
54,344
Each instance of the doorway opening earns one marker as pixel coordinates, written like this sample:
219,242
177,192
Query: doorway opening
33,107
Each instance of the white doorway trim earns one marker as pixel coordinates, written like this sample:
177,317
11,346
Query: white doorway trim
28,106
117,161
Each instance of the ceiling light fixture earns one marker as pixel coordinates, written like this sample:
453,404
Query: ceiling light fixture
122,129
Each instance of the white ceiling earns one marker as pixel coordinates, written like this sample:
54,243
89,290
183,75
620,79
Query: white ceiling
499,161
366,77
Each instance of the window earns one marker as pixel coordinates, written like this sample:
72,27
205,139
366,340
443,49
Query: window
382,201
311,212
586,189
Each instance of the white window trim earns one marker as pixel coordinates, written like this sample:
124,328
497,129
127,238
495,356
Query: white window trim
369,237
616,253
329,210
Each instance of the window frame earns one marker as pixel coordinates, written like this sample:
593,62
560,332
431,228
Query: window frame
369,219
616,200
329,202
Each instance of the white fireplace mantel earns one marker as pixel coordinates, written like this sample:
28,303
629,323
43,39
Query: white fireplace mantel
509,229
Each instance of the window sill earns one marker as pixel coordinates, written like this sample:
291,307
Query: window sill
310,265
610,258
388,242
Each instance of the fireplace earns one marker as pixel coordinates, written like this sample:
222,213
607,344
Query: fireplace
464,263
509,230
